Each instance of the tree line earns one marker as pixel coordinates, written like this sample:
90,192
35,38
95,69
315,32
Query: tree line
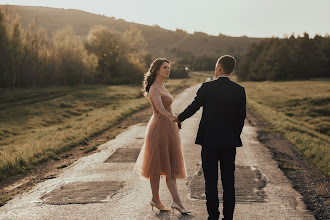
290,58
186,60
30,58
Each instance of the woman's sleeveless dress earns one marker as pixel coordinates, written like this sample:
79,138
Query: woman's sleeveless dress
161,153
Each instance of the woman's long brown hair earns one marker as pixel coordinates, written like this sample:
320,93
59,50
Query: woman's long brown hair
150,76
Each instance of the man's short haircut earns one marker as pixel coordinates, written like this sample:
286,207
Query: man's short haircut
228,63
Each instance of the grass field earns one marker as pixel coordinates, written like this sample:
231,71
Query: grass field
300,110
38,124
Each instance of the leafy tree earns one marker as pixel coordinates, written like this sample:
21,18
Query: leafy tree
4,41
135,40
16,53
324,44
307,57
138,57
179,71
35,47
109,48
73,64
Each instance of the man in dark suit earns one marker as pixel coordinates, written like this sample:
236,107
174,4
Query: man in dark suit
224,111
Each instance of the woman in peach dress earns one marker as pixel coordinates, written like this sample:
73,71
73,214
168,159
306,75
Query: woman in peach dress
161,153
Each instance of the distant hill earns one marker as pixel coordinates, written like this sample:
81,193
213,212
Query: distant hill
160,41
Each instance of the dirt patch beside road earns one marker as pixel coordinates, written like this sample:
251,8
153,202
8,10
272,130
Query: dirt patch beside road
305,178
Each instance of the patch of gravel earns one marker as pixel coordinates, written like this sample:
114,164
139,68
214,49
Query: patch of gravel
311,183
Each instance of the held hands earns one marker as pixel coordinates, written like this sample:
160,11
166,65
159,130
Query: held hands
176,119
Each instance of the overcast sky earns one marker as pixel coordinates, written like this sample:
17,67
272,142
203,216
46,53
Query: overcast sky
253,18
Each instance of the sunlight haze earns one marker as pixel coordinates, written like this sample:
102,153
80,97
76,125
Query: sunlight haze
253,18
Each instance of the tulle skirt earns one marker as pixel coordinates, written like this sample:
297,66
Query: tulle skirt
161,153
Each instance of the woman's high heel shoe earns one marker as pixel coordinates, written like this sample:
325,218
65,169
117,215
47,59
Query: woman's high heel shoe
181,210
154,205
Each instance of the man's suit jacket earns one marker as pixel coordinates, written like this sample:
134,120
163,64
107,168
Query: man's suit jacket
224,112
